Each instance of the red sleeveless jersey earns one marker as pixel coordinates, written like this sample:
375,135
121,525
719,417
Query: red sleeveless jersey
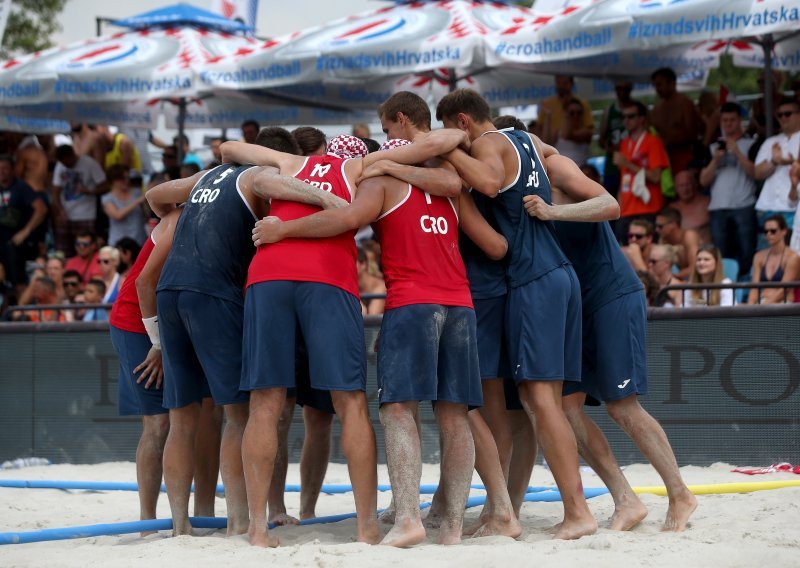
125,314
328,261
419,252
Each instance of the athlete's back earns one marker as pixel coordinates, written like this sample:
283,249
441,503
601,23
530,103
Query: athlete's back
533,245
212,246
419,252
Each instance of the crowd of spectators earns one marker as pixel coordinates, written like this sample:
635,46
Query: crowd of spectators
697,183
705,197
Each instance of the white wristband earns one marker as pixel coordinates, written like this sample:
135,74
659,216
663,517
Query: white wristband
151,326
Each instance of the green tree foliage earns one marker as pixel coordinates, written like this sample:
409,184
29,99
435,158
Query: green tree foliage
31,25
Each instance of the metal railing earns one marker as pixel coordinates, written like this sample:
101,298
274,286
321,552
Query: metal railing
787,287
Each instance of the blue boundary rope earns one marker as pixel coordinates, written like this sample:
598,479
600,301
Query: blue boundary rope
329,488
112,529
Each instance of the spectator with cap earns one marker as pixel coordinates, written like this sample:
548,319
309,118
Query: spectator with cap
553,111
640,240
692,205
641,160
85,261
22,211
250,129
124,205
730,177
311,140
708,269
612,131
773,163
676,119
77,181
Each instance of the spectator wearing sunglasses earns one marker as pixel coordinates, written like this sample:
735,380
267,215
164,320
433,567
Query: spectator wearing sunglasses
85,261
659,263
776,263
73,285
109,261
640,241
773,163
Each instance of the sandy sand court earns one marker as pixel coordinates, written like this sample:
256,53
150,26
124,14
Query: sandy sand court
761,528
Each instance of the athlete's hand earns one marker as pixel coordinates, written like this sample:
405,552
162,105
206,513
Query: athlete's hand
536,207
377,169
152,369
267,230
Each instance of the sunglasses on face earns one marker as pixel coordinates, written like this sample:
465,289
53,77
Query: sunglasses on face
106,261
785,114
82,244
770,231
70,284
652,261
635,236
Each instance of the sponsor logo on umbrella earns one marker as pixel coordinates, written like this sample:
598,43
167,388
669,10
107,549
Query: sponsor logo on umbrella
646,5
99,55
369,30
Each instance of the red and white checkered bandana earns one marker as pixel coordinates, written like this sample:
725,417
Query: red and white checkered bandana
346,146
394,143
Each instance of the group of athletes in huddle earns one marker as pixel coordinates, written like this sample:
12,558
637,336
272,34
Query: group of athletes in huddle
509,305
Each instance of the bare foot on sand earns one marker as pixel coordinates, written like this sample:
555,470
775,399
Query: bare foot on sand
237,528
263,539
680,509
405,533
500,525
627,516
387,515
370,535
281,519
574,529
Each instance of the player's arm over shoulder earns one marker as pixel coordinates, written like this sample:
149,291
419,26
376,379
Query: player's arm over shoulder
483,168
471,222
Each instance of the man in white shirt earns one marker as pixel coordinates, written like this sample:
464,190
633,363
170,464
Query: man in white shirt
77,181
773,162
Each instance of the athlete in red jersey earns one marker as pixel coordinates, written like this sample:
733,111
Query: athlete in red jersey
328,311
429,318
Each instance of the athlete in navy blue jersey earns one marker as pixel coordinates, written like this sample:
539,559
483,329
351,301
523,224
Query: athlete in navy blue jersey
200,318
614,366
543,313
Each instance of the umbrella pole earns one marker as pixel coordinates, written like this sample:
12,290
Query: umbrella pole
181,126
767,45
452,81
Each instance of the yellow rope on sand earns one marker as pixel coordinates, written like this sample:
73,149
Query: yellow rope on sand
718,488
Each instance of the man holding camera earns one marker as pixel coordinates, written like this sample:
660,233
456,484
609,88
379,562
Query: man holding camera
733,190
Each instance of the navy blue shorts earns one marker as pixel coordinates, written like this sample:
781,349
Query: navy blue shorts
333,330
511,391
429,352
614,351
133,399
201,337
543,326
305,394
492,353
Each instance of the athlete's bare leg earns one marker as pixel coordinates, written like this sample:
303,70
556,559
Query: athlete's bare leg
404,460
542,400
277,506
232,469
594,449
387,516
497,517
360,451
438,508
206,458
458,461
495,415
649,437
259,445
149,463
179,464
314,458
523,457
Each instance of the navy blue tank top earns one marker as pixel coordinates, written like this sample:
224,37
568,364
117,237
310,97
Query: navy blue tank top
533,248
213,245
603,271
487,277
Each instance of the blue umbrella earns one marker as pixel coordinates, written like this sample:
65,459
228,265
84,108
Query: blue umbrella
183,14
